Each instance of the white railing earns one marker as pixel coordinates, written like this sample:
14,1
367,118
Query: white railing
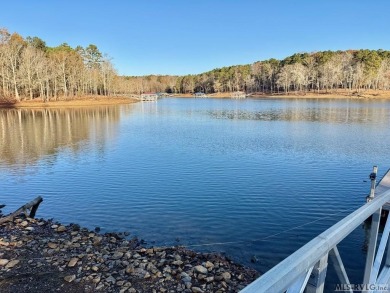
306,268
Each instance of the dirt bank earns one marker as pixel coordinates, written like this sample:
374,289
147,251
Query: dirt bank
70,102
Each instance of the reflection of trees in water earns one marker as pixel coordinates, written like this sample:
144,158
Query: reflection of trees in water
28,134
334,114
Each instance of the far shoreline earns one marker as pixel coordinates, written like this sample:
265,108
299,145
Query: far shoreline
363,95
91,101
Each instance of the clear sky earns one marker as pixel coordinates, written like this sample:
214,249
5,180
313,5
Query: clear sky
188,37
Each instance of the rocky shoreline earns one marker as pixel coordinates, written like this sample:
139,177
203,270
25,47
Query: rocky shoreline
38,255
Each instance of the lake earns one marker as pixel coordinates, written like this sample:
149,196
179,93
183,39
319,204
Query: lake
254,179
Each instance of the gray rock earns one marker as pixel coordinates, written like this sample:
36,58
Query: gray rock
209,279
97,241
117,255
61,229
52,245
99,287
70,278
185,277
127,285
12,263
226,276
201,276
152,268
139,272
111,280
200,269
73,261
129,270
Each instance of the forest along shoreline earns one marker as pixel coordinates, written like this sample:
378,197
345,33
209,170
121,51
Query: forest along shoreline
38,255
30,69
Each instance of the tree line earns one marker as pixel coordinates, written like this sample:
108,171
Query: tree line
30,69
329,71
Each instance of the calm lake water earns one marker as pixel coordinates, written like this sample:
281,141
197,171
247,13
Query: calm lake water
265,176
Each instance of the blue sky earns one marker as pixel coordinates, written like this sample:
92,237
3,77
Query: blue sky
188,37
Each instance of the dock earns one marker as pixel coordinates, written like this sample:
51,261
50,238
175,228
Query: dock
305,270
148,97
382,187
200,95
238,95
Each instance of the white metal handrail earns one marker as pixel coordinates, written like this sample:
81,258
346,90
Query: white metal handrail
281,277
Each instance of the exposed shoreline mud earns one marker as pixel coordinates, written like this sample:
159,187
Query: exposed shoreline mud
66,103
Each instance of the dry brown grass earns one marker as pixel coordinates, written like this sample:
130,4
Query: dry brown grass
69,102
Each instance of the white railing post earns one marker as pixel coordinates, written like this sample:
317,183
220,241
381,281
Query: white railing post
317,278
372,245
380,253
387,263
375,221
